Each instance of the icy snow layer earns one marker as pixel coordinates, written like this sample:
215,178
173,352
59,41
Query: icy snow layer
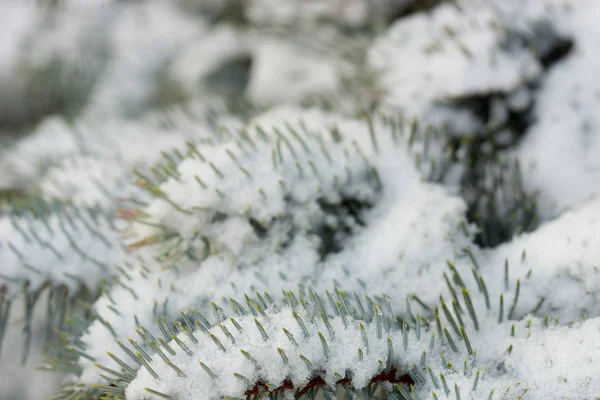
452,52
560,154
560,261
67,246
353,13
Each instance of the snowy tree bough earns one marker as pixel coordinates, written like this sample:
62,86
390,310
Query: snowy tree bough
58,247
313,344
443,221
281,171
255,163
342,344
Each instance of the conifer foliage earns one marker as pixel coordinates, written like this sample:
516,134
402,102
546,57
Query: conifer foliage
309,200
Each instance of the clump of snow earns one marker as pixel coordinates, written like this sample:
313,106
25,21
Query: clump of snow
503,350
533,357
426,225
538,361
479,48
287,177
280,167
559,261
559,153
429,59
485,359
558,362
330,349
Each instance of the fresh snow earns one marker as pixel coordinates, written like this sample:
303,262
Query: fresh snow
271,197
